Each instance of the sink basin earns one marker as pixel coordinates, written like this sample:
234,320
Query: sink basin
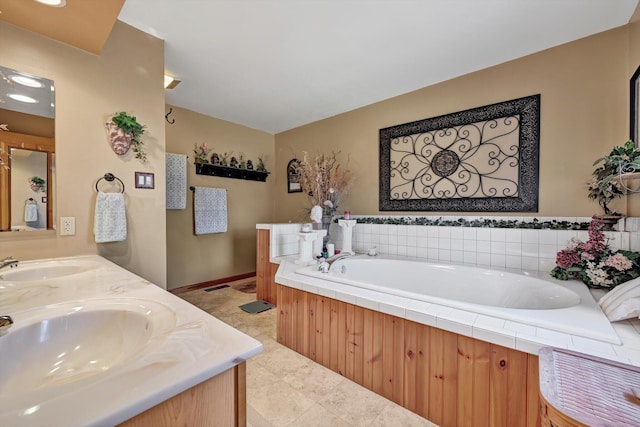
66,343
37,271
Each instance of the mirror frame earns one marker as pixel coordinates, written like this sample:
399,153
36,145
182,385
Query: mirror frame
9,140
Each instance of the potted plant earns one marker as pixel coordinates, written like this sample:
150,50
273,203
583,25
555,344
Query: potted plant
37,183
201,152
606,184
124,132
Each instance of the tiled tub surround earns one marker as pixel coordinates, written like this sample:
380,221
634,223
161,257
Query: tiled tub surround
196,347
516,248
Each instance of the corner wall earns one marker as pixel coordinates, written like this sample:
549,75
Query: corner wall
128,76
584,109
196,259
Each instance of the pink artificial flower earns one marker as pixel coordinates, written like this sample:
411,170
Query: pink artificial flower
587,256
597,238
567,258
619,262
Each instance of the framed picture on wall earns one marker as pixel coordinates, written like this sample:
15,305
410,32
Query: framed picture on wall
293,177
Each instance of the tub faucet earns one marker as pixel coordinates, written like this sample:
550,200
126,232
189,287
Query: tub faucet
8,262
326,264
5,324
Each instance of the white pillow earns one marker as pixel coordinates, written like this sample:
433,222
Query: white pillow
622,302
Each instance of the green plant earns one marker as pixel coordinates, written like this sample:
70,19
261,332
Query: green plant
38,181
261,167
129,125
605,184
224,157
201,152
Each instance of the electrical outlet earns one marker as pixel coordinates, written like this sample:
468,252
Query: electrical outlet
68,226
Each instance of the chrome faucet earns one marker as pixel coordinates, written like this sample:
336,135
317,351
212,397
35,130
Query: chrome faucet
325,264
5,324
8,262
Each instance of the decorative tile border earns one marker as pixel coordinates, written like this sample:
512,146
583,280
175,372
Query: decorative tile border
533,223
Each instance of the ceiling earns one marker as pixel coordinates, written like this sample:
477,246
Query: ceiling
275,65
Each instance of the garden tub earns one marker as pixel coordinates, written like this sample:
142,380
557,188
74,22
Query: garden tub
530,298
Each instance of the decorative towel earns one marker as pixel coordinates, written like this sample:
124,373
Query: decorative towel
30,212
110,223
176,181
210,210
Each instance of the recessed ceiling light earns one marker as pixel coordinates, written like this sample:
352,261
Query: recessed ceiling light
53,3
22,98
26,81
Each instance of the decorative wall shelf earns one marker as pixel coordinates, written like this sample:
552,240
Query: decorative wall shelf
227,172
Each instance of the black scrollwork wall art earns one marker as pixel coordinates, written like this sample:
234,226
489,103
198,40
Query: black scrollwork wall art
481,160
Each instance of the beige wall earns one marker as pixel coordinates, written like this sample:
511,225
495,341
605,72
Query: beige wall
196,259
128,76
584,109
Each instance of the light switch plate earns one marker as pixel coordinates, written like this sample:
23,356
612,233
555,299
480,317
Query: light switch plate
68,226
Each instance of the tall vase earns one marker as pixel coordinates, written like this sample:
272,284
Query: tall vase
326,224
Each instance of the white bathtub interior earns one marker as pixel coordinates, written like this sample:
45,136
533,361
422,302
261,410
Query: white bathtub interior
531,298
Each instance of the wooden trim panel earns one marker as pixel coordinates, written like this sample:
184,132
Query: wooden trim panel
265,270
210,283
450,379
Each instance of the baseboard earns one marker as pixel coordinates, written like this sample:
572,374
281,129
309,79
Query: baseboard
210,283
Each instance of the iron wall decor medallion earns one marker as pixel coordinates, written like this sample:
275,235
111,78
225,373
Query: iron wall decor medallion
485,159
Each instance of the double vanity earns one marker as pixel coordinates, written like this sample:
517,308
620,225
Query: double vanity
92,344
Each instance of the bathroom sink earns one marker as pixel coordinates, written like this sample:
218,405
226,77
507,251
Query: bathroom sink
37,271
67,343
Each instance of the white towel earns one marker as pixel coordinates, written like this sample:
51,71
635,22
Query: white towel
176,181
210,210
110,223
30,212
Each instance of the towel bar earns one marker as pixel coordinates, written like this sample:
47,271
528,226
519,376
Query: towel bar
109,177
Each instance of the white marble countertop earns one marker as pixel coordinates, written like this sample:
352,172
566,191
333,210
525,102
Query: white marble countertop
507,333
193,347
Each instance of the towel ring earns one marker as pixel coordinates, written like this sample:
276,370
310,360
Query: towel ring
109,177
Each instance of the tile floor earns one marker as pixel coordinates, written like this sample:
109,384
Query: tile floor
287,389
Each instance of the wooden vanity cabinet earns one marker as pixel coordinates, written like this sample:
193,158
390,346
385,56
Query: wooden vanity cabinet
217,402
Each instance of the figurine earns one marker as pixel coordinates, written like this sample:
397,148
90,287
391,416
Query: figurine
215,160
316,214
249,165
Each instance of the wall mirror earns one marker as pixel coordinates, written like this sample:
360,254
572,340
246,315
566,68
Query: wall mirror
27,150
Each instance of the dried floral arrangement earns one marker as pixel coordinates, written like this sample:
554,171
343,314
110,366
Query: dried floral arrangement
323,181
